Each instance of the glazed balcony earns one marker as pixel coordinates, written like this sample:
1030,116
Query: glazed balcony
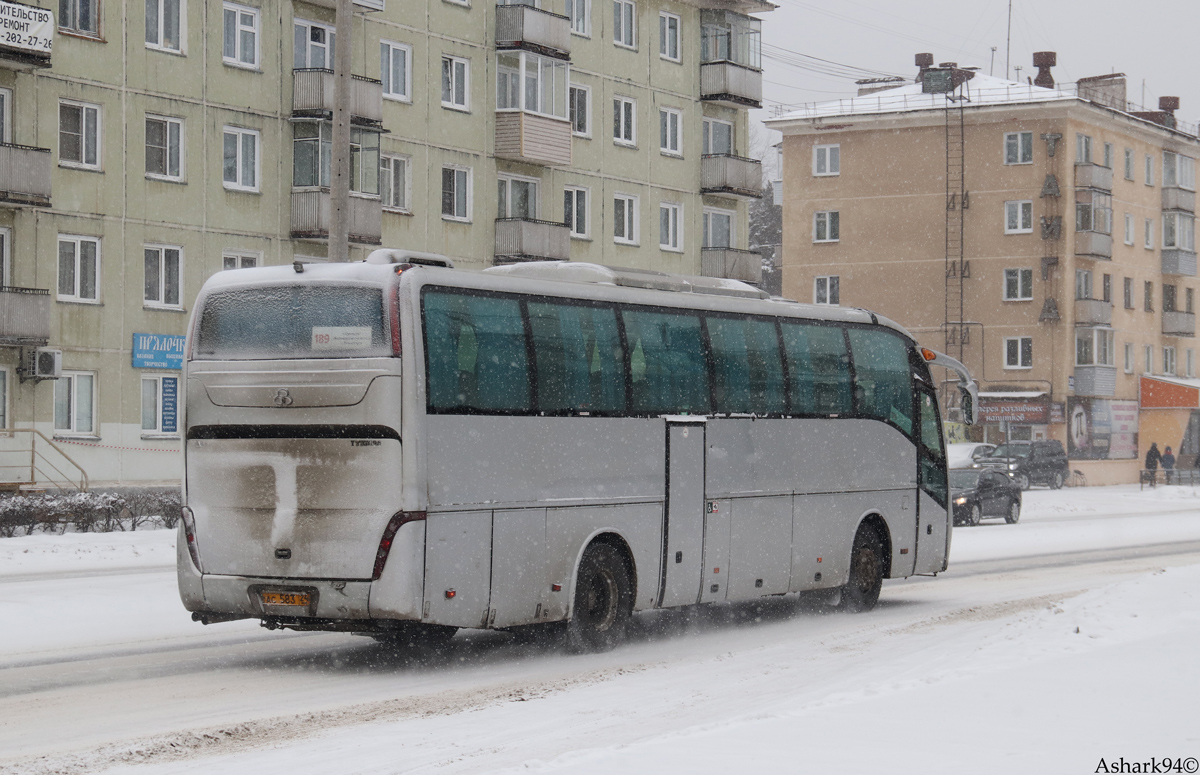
1179,261
312,96
1175,198
312,216
731,175
525,239
1098,381
731,85
524,26
1179,324
533,138
24,175
24,316
1093,176
731,264
366,5
1093,244
1093,312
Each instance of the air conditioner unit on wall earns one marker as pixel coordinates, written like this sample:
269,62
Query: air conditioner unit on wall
47,363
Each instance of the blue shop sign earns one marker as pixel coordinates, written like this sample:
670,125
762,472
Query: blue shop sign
158,351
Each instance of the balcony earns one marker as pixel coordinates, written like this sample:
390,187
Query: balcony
524,26
731,85
1096,381
532,138
312,96
1178,199
731,264
311,216
1093,312
731,175
1093,176
1179,324
1093,244
365,5
522,239
1179,261
24,316
24,176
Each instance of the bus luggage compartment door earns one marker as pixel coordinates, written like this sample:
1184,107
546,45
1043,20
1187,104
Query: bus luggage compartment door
684,523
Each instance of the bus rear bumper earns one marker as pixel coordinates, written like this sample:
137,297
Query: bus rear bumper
322,598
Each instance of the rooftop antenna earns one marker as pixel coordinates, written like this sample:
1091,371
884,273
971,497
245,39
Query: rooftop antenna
992,63
1008,43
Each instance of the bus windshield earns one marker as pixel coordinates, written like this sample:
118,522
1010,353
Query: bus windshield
292,321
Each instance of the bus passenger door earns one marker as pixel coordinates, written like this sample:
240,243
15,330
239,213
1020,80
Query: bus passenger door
683,522
933,519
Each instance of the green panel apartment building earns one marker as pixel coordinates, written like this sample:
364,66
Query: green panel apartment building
160,141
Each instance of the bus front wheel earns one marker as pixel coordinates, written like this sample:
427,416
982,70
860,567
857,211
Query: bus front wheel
603,601
861,592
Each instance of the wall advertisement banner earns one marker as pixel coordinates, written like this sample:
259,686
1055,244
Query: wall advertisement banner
26,28
1102,429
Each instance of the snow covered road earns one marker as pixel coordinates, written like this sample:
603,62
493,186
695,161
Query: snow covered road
1049,644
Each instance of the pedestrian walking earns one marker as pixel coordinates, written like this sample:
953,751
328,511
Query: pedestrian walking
1153,457
1168,464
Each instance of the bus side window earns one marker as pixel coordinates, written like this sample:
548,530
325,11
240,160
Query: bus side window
818,369
579,362
883,379
667,363
933,457
475,346
747,370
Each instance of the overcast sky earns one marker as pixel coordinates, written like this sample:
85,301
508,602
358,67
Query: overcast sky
1155,40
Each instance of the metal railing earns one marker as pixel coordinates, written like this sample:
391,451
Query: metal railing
1154,477
25,174
35,464
519,24
24,316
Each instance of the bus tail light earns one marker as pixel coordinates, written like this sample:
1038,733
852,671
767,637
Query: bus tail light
389,534
189,532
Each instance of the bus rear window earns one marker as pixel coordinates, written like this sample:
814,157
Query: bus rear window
292,321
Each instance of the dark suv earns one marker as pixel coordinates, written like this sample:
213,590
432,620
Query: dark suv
1030,462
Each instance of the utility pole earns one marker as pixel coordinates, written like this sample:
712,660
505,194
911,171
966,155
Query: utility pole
339,185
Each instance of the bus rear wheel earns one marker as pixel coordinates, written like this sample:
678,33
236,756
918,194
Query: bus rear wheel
861,592
603,601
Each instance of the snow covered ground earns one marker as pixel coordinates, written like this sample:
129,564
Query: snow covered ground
1049,645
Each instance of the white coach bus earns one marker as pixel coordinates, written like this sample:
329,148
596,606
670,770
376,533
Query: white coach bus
401,449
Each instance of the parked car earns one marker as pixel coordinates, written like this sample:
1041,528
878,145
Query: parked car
1030,462
979,494
966,453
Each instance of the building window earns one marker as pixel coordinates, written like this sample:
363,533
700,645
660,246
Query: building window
578,13
1129,164
455,74
394,59
164,148
1018,148
718,229
516,198
718,137
165,23
163,278
1128,293
625,219
6,277
827,160
75,403
669,121
669,217
456,193
668,36
1169,361
579,100
160,405
1083,284
1170,297
1094,347
1094,213
313,46
1018,352
1189,301
1128,228
1106,289
1018,217
1179,231
624,21
79,16
1018,285
394,182
241,36
1148,296
79,135
545,91
1190,355
4,397
78,268
827,290
575,211
233,260
1108,155
1148,237
1129,357
1083,149
1179,171
1149,170
240,168
624,121
827,226
1148,356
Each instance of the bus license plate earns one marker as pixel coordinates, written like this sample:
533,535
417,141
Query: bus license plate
285,598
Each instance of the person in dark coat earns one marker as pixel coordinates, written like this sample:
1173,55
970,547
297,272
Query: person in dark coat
1168,464
1153,456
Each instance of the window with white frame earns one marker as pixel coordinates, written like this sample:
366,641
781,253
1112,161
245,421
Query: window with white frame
1148,357
1179,171
1189,303
1169,361
579,104
80,16
1106,289
578,11
1094,347
1108,155
624,121
1179,231
668,36
718,137
394,182
1170,298
240,158
1018,284
232,259
160,405
545,79
312,150
624,23
516,198
456,193
1149,170
827,290
1190,355
1148,296
1148,237
827,226
240,47
166,23
1083,284
1018,352
164,148
455,89
827,160
4,383
1018,217
79,134
625,219
75,403
162,277
1129,228
1129,357
1129,164
314,45
669,130
1093,211
1128,293
575,211
6,276
718,228
78,268
394,72
1018,148
6,106
1083,149
669,216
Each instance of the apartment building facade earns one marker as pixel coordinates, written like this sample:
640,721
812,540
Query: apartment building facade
155,143
1045,234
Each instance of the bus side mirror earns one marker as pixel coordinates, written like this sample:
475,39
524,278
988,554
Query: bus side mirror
968,403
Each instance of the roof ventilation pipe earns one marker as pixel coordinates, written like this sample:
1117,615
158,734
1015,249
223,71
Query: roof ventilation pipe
1043,61
923,61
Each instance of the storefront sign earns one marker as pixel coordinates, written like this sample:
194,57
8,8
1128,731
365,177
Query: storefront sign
170,404
1102,429
26,28
1017,411
1058,414
158,351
